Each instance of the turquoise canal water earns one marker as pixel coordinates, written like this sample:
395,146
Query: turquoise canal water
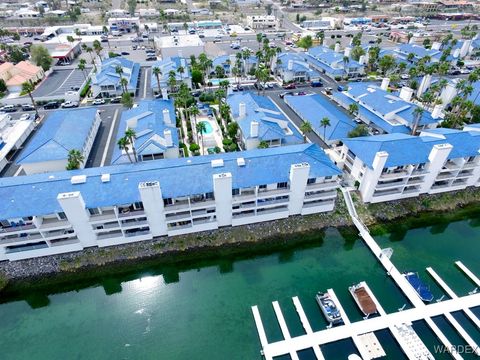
202,311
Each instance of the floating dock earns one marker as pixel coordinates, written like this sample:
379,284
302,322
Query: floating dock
399,323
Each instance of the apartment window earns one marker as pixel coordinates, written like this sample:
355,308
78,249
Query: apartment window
61,215
209,195
138,205
471,159
235,192
311,181
421,166
94,211
328,177
167,201
282,185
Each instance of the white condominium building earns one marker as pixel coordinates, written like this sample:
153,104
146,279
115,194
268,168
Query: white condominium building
396,166
69,211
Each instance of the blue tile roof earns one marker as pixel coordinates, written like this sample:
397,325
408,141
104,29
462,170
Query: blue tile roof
149,129
341,98
407,149
37,194
313,108
264,111
170,64
419,52
108,76
383,103
62,131
300,64
330,61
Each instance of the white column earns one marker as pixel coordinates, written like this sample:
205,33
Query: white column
424,84
151,195
74,208
371,176
298,183
222,189
473,180
437,157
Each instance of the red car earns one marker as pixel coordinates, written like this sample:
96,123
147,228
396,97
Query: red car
290,86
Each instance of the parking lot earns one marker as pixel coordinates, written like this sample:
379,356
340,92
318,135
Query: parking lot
59,82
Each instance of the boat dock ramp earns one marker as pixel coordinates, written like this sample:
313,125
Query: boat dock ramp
398,323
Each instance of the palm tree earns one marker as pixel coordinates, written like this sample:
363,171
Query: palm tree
353,109
105,32
201,129
28,87
130,135
306,127
97,46
157,72
259,40
123,84
325,122
81,67
320,36
75,159
123,144
417,113
90,50
194,111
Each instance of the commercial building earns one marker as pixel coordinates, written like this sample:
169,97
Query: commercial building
63,51
62,131
325,23
260,120
156,136
396,166
176,64
333,63
106,82
15,75
385,111
112,205
180,45
123,24
262,21
293,67
313,108
13,134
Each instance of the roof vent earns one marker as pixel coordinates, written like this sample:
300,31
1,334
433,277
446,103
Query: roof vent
241,162
217,163
105,178
78,179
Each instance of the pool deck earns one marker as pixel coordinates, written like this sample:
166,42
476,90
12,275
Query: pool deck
392,321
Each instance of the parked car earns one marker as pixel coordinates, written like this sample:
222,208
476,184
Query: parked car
75,88
290,86
125,53
341,88
316,84
201,36
8,108
328,90
98,102
134,47
52,105
151,58
69,104
104,40
27,107
116,100
235,46
25,117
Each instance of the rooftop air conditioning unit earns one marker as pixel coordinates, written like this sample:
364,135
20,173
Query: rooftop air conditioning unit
217,163
78,179
241,162
105,178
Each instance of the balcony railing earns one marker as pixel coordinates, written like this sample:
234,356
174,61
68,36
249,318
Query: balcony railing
274,192
128,213
394,174
10,229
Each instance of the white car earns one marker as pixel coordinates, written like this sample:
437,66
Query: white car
69,104
98,102
405,76
25,117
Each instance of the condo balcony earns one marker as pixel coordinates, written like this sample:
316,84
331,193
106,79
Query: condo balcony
394,174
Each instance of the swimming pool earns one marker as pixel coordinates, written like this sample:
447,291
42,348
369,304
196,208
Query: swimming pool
208,127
